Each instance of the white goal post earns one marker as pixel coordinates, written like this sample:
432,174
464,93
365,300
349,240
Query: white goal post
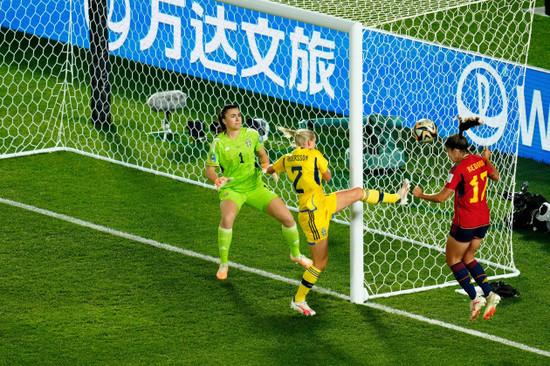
358,73
355,31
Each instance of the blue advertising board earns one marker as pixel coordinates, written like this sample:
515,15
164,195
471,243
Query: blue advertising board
509,98
534,120
418,80
206,39
302,63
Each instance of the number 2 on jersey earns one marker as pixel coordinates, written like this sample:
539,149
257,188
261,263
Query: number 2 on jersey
475,183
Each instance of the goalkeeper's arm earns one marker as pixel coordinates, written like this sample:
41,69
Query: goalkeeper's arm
264,161
211,174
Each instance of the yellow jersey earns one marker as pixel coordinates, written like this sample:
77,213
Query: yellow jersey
304,168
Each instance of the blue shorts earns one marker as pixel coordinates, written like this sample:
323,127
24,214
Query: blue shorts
467,235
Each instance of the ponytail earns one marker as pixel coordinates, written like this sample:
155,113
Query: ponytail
458,141
467,123
301,136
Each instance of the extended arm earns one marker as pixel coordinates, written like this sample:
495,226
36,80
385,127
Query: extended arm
262,155
270,169
327,175
211,174
439,197
264,162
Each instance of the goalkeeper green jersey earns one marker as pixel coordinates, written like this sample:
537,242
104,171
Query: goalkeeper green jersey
237,159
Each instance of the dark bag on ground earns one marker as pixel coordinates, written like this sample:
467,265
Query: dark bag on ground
503,290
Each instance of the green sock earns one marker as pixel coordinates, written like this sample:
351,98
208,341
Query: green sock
224,242
292,239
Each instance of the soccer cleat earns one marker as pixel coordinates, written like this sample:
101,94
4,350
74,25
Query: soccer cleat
492,301
302,259
222,271
403,192
302,307
475,306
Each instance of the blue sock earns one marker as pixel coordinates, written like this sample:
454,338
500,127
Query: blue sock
478,273
463,277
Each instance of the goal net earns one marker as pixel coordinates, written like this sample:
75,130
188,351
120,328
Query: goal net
173,64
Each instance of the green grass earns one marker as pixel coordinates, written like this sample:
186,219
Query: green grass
35,119
496,28
540,40
74,295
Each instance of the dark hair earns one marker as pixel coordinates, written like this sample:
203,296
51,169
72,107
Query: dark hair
458,141
222,114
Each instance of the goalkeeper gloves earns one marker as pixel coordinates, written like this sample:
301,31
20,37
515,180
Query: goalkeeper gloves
264,170
222,181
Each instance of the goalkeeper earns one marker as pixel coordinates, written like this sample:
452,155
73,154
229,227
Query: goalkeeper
234,151
305,166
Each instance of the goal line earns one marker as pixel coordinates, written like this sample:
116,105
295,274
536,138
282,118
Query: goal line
272,276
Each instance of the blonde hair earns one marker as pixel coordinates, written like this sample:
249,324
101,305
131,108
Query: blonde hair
301,136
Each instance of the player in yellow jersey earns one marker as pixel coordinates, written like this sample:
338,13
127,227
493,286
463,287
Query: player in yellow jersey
307,168
234,152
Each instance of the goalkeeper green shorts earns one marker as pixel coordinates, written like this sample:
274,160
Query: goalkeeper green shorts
258,198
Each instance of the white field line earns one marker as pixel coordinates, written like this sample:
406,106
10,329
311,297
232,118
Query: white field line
272,276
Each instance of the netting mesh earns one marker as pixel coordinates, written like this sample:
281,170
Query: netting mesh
495,28
288,73
424,90
374,13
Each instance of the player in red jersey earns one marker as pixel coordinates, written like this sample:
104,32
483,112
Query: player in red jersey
471,220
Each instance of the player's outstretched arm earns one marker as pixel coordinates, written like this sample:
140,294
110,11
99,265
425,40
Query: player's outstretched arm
269,169
439,197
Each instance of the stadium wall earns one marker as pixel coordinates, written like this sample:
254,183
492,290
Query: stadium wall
506,95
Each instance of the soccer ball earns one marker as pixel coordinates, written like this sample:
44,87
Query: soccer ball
425,130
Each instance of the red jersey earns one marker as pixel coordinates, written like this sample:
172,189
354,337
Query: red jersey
469,181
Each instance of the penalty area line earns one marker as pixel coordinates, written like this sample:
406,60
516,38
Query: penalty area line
270,275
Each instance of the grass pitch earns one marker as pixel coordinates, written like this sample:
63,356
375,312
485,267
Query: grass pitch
74,295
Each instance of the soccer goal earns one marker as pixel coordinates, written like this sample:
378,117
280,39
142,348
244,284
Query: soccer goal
140,82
